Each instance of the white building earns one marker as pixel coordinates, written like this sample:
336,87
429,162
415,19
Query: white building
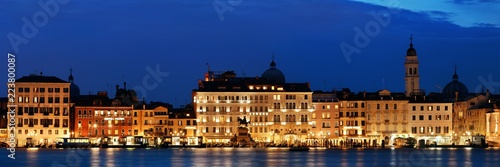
431,121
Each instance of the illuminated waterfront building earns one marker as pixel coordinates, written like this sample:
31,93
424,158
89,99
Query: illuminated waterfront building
276,111
160,125
102,119
325,130
42,113
183,130
430,120
151,123
3,120
492,125
386,118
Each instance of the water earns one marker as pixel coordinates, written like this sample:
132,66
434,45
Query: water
251,157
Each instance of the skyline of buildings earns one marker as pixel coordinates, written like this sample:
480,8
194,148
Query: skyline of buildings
277,111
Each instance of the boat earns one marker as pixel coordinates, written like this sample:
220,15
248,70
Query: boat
299,148
73,143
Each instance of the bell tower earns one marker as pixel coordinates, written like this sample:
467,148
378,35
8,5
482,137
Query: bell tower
412,77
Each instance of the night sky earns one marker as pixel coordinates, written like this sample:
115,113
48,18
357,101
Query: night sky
107,43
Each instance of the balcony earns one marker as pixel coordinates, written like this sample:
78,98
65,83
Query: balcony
31,125
56,126
19,125
46,125
46,114
386,121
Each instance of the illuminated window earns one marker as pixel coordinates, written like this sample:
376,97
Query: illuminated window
250,87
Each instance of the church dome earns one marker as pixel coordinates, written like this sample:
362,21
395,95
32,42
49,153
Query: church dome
450,90
273,74
411,51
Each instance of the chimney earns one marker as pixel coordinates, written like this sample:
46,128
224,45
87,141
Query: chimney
364,94
143,106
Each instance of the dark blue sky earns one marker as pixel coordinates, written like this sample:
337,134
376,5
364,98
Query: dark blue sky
107,43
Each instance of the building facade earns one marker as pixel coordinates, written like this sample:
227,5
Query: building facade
43,105
101,119
431,121
386,119
326,117
275,111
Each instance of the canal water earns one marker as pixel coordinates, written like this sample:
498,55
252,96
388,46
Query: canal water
251,157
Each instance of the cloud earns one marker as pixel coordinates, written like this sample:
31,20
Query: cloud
464,13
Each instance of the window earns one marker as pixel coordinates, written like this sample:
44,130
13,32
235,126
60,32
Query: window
395,106
51,90
421,117
438,129
26,89
429,108
438,108
378,106
430,117
57,90
414,108
42,90
446,109
421,108
65,90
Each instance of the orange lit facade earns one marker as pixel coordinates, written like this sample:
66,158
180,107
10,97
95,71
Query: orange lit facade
99,122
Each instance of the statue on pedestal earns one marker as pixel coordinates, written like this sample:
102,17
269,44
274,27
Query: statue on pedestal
243,121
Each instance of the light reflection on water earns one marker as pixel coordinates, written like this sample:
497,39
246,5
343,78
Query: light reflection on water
252,157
